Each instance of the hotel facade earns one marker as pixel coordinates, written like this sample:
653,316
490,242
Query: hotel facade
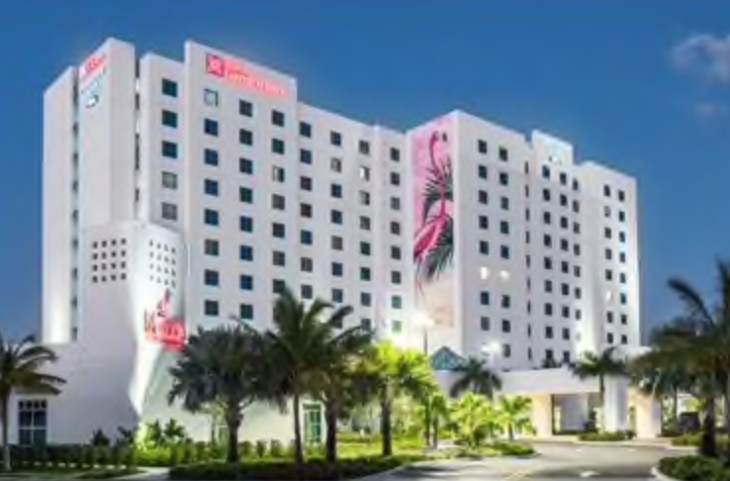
180,195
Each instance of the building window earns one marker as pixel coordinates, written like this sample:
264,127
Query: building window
396,302
504,203
484,247
245,137
245,195
482,171
245,166
278,202
169,88
504,252
483,197
336,217
277,118
336,191
305,210
338,296
506,351
365,248
394,154
397,326
307,291
336,139
211,308
245,224
32,422
337,269
503,178
395,228
503,154
211,157
169,180
245,312
210,127
278,258
305,183
484,298
169,149
546,172
366,299
305,156
277,146
395,277
485,323
483,222
169,119
305,129
278,230
621,195
336,165
506,301
482,146
210,98
210,187
394,178
245,252
607,191
364,197
363,147
211,247
365,274
169,211
211,278
245,108
306,237
504,227
278,174
306,264
548,332
337,243
245,282
365,173
506,325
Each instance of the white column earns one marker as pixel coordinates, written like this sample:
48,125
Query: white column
616,404
542,415
573,412
648,416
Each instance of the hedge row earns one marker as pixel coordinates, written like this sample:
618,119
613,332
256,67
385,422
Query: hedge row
607,436
694,468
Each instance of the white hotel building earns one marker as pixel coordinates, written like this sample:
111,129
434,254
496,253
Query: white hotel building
180,193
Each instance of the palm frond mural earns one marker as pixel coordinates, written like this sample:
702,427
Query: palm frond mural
434,243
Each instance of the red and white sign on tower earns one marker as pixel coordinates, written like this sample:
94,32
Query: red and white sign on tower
160,326
239,74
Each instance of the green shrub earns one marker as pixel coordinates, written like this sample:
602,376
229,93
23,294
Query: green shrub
275,449
607,436
260,448
511,448
98,438
246,449
693,440
694,468
313,470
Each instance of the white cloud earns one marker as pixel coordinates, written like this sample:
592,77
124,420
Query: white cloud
706,55
709,110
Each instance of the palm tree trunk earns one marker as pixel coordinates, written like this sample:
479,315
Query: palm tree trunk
427,421
726,398
330,414
675,406
435,432
6,444
602,393
511,431
233,423
708,442
385,424
298,448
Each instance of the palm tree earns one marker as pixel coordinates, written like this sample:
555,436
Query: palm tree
310,356
593,365
20,370
688,346
435,409
514,413
476,376
226,366
388,373
711,324
473,418
658,378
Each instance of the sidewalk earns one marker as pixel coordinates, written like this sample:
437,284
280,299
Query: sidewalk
636,443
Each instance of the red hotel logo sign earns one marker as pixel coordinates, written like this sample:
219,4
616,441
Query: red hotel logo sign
92,65
159,326
239,74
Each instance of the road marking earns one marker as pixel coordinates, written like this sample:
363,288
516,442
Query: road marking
521,474
588,474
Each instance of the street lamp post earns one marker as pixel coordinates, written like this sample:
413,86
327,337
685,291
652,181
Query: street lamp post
425,322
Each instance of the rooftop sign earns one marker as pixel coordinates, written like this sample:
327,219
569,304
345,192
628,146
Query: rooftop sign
238,74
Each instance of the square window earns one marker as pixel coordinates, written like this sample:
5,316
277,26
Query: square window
363,147
169,119
305,129
169,211
305,210
338,295
482,171
245,108
245,252
212,278
305,183
210,98
278,202
278,286
211,308
396,302
278,258
394,178
278,174
394,154
484,323
210,127
395,253
503,154
278,230
245,166
245,195
306,237
245,137
336,217
336,191
482,146
396,277
245,312
337,243
395,228
210,187
245,224
277,146
211,157
211,247
169,180
305,156
169,149
277,118
365,274
503,178
307,291
306,264
337,269
336,164
169,88
336,139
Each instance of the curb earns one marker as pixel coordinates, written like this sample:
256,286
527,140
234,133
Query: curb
660,476
394,470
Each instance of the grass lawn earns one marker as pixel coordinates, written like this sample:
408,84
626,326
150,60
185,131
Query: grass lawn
68,473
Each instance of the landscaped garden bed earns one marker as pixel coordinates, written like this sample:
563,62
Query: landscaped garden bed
694,468
601,437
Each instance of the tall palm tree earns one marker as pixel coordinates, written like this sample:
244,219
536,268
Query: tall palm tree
388,373
475,375
225,366
20,371
514,413
310,355
661,379
712,326
600,366
688,346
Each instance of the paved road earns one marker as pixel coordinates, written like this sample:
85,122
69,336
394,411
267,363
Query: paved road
556,461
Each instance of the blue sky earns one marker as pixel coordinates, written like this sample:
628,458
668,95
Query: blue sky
640,85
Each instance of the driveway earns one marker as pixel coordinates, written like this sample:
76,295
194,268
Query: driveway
556,461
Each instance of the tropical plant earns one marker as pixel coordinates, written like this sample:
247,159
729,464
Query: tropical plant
474,419
226,365
126,436
153,435
20,370
514,415
387,373
310,355
475,375
174,432
434,413
600,366
657,378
